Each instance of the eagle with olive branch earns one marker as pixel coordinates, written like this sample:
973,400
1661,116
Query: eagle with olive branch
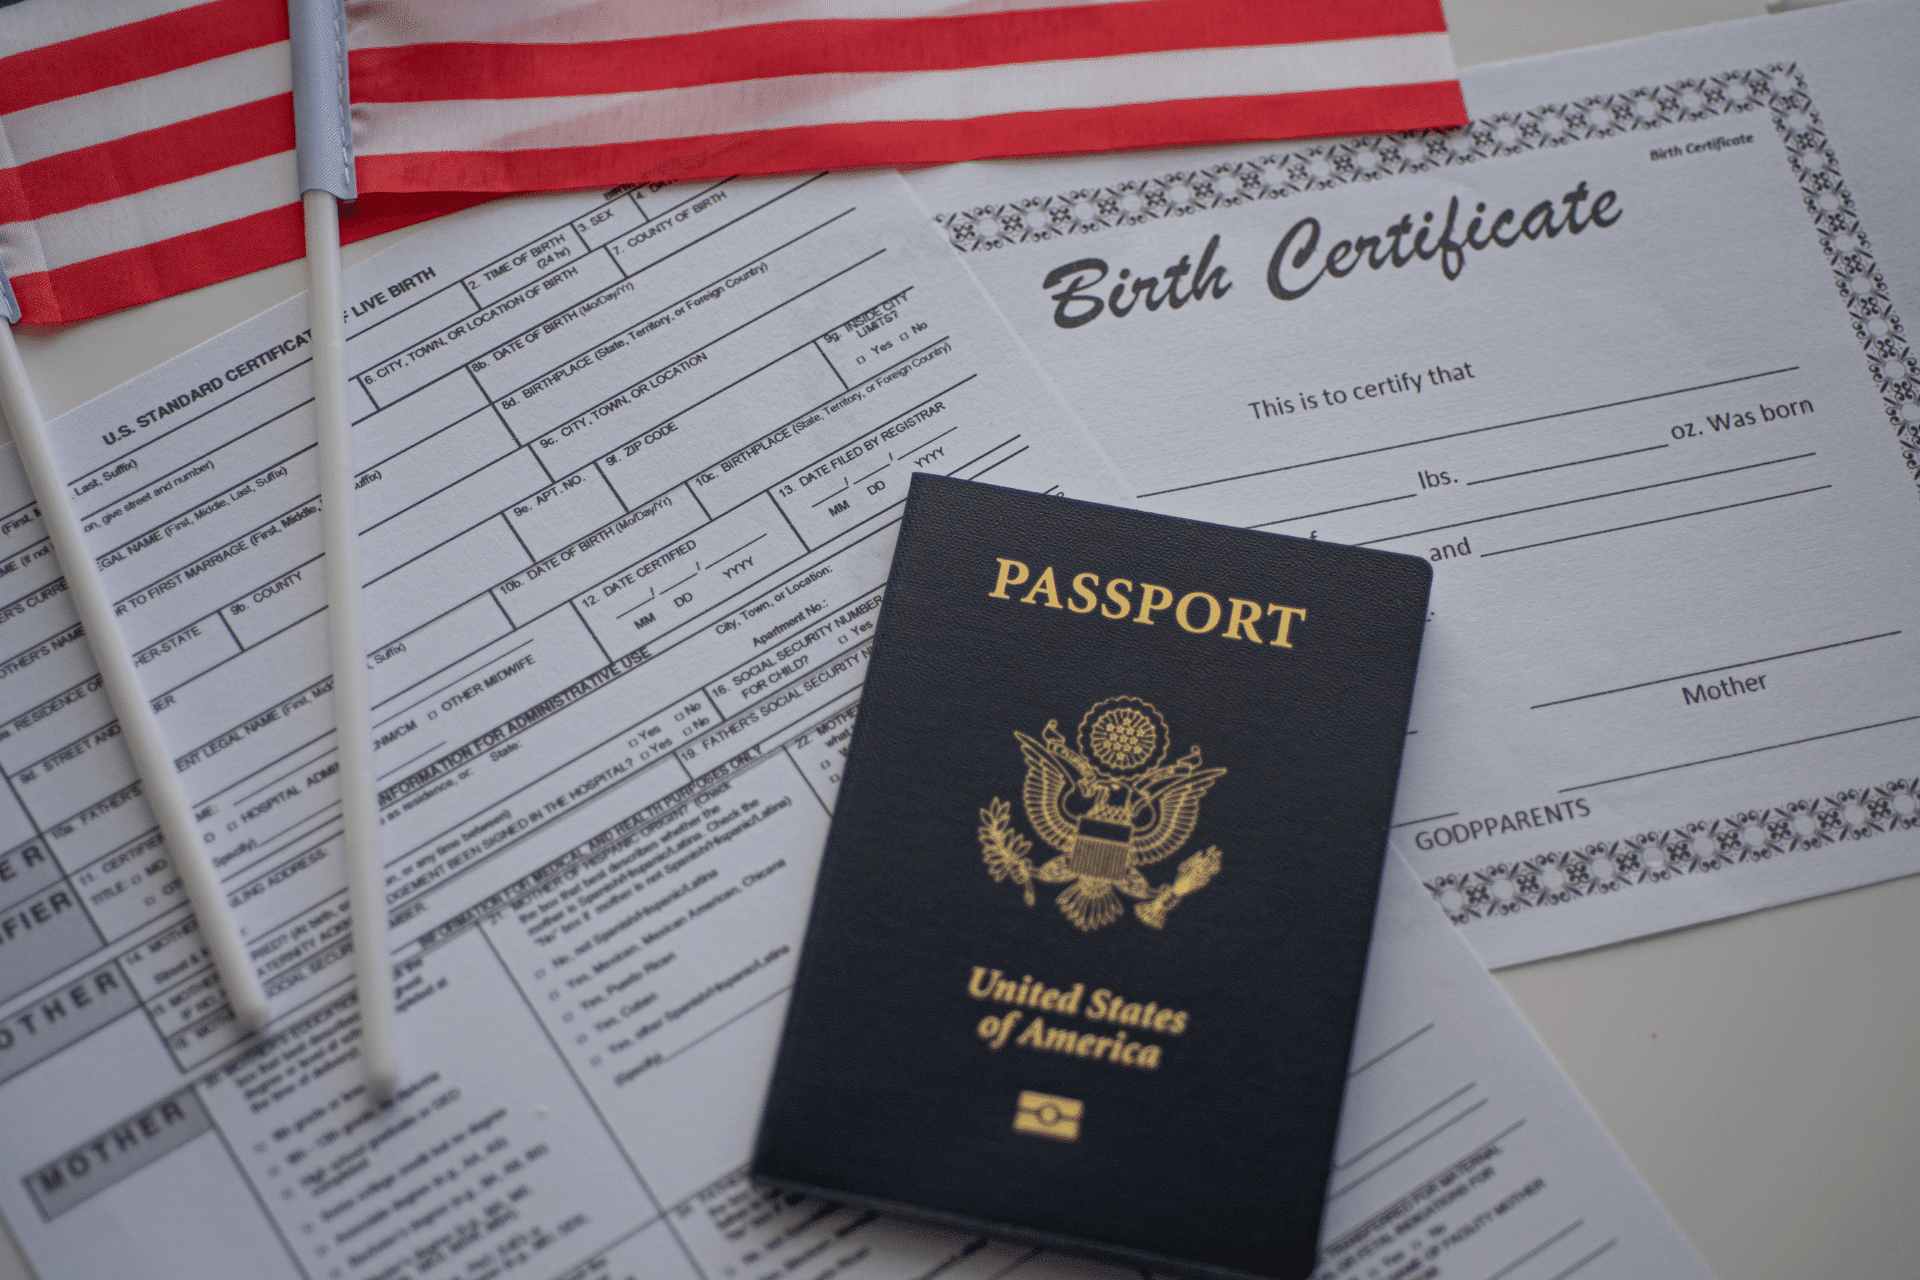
1109,805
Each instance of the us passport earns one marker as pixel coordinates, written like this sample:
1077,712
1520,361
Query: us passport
1087,945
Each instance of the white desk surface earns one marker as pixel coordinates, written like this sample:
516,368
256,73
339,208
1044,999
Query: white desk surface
1762,1073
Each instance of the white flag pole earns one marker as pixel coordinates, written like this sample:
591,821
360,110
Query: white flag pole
324,153
159,780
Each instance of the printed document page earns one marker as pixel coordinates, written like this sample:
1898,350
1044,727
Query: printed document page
630,467
1625,368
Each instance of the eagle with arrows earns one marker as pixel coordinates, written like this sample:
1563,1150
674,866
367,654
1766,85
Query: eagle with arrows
1109,805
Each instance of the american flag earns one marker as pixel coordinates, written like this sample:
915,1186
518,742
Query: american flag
146,146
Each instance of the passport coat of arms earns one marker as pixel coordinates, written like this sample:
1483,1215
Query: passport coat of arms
1109,805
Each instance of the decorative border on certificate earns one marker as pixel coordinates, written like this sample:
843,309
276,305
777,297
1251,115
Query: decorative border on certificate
1779,89
1752,835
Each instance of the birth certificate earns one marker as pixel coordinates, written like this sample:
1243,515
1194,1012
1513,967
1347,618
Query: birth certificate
1624,366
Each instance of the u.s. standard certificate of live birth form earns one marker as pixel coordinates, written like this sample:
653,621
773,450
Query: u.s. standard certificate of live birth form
631,463
1625,367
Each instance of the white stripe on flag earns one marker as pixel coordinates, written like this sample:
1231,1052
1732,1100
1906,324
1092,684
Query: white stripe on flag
160,213
375,24
28,26
106,114
524,124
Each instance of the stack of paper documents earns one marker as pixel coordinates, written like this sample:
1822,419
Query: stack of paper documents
630,470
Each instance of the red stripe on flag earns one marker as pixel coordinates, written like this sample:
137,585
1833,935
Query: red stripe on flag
450,72
115,280
166,267
1155,124
137,50
383,211
142,161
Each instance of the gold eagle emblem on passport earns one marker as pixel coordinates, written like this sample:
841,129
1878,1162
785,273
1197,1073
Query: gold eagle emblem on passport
1110,805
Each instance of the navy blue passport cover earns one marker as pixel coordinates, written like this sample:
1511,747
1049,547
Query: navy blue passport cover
1087,945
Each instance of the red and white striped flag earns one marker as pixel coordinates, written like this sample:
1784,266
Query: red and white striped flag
146,148
525,94
146,145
